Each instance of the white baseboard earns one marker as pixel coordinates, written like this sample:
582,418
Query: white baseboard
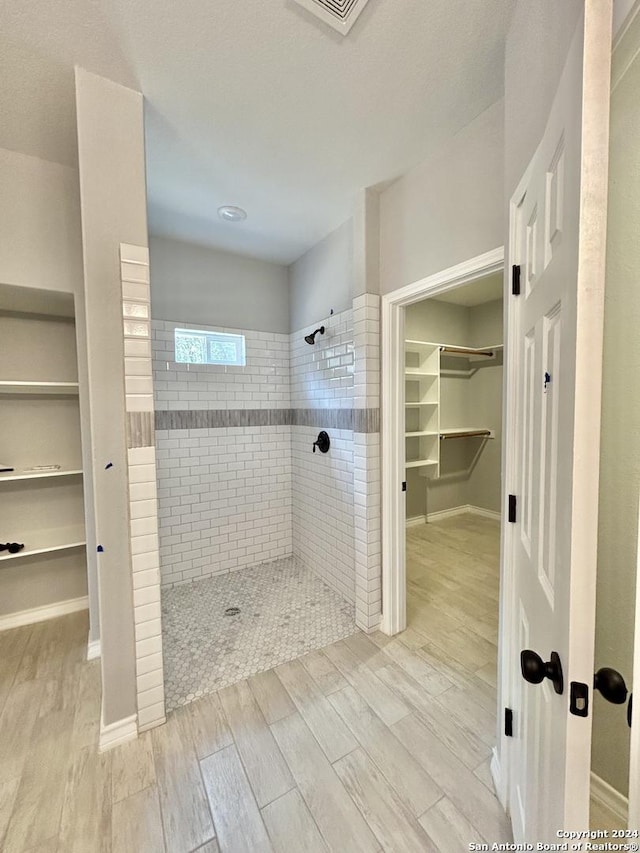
498,782
462,510
41,614
485,513
118,733
606,796
93,649
416,521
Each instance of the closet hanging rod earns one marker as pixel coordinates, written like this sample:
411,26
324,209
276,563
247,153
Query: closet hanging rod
462,350
469,434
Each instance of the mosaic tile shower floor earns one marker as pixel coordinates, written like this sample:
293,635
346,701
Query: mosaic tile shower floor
285,612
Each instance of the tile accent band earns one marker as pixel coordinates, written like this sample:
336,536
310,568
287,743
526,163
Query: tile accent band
140,429
357,420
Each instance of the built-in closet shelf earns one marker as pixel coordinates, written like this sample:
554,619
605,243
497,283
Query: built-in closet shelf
13,476
422,463
467,432
46,541
417,405
419,433
59,388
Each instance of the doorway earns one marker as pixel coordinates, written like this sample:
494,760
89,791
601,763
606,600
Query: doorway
453,435
441,536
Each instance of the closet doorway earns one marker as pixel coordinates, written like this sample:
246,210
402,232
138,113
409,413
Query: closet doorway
442,414
453,385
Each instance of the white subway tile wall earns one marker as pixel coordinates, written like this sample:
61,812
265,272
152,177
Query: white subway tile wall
322,373
235,497
263,383
224,498
322,486
225,494
143,504
367,475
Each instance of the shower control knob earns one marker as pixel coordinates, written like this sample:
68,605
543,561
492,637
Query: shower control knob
323,442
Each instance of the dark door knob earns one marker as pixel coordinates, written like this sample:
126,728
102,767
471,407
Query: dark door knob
611,685
535,670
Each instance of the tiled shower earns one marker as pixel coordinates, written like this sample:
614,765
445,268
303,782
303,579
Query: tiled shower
249,516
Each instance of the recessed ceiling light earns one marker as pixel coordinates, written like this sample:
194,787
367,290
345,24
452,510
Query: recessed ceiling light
231,214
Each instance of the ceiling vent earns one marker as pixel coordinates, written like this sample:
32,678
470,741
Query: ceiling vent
339,14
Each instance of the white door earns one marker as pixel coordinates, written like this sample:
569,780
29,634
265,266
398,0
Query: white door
559,228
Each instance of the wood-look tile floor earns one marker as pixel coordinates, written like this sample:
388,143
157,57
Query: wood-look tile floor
369,744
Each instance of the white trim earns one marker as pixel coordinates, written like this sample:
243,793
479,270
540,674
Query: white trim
392,422
634,744
41,614
416,521
93,649
118,733
498,781
613,801
463,510
485,513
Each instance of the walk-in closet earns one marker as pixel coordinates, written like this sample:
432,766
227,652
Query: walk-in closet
453,432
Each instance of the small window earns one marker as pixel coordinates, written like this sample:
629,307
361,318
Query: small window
194,346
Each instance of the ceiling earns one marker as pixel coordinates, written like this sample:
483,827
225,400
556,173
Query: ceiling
256,103
477,293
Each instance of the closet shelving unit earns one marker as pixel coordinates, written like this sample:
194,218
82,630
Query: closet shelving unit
423,430
40,426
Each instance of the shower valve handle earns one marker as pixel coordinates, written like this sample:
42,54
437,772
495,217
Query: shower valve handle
323,442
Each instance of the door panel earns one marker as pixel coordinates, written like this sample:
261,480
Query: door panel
559,228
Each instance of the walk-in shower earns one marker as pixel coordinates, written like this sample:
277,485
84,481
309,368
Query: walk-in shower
256,528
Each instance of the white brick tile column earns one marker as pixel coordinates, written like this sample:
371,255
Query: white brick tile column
143,498
366,462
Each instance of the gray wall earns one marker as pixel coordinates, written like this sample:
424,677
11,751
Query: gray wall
195,284
113,204
620,449
468,475
485,390
447,209
322,279
39,223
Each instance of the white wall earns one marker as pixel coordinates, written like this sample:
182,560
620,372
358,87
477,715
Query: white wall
447,209
322,279
195,284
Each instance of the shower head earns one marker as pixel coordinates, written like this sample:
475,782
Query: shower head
311,339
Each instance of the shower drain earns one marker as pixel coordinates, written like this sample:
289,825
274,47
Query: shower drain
232,611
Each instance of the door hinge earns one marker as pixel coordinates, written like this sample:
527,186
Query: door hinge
512,508
515,279
404,486
508,722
